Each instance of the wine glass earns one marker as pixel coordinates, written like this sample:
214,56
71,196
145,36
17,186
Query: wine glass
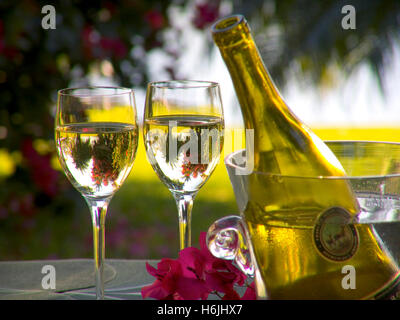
96,135
183,134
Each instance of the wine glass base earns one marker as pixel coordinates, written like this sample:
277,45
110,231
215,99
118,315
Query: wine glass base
117,293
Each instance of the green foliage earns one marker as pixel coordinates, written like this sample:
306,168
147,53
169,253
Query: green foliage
36,62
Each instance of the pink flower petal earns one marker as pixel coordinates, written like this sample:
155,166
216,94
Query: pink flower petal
150,269
219,281
231,295
194,275
155,290
192,262
192,289
250,293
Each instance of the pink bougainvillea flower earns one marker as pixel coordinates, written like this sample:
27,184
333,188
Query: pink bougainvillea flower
154,18
206,13
96,45
44,176
193,261
172,284
113,47
231,295
167,274
194,275
192,289
250,293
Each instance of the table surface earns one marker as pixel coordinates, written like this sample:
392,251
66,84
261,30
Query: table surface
74,279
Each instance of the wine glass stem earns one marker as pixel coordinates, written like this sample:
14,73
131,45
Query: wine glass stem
98,209
184,203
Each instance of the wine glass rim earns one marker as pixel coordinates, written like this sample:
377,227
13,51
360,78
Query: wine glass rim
117,91
183,84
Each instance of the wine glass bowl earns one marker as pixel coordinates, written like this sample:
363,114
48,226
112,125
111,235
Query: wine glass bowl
95,139
96,135
183,134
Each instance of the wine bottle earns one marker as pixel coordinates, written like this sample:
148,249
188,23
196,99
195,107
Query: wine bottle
288,211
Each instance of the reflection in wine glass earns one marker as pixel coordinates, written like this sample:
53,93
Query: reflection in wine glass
183,134
96,135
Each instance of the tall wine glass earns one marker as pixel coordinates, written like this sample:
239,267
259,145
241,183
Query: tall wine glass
183,134
96,135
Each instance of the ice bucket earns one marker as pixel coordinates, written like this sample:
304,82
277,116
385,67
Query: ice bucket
308,252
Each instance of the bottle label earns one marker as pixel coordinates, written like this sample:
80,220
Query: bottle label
334,237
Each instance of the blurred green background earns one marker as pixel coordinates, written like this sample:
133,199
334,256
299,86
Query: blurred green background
111,42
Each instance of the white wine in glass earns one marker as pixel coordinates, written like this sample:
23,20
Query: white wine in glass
96,135
183,133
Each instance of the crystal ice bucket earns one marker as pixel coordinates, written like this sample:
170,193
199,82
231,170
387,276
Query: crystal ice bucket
313,252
